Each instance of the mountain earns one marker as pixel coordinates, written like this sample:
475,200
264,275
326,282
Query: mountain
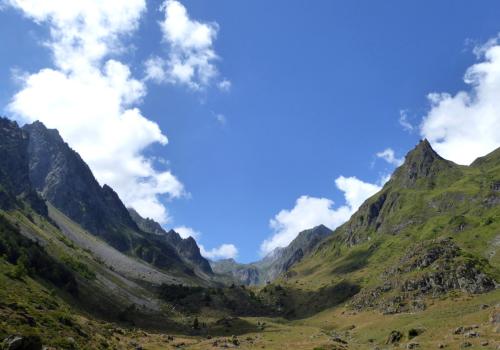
62,178
246,274
60,175
185,247
433,229
277,262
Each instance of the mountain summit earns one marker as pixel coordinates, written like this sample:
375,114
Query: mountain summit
422,167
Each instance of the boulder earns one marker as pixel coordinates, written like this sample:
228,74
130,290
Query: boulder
17,342
394,337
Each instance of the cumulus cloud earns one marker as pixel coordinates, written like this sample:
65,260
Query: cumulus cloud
186,232
309,212
389,156
92,99
225,251
191,58
466,125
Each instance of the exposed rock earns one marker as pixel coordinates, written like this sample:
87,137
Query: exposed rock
14,169
440,269
394,337
471,334
16,342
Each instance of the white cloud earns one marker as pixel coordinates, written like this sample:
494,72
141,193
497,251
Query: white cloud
310,212
224,85
155,69
186,232
404,122
92,100
466,125
191,59
225,251
389,157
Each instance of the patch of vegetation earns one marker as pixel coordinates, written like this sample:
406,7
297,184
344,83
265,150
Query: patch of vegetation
79,267
31,259
234,300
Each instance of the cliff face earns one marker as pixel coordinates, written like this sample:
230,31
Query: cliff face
14,169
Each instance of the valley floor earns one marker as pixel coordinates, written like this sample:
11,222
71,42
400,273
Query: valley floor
343,329
28,308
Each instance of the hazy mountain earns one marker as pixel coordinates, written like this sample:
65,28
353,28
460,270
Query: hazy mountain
279,261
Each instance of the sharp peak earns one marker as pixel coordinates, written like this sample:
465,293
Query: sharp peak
424,146
40,127
422,152
320,227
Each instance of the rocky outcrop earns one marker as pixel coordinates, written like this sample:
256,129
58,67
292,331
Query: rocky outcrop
17,342
430,268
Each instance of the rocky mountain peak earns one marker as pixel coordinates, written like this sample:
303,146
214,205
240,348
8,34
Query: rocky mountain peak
422,165
187,248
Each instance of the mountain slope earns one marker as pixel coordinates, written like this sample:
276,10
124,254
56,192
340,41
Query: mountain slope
60,175
439,219
63,179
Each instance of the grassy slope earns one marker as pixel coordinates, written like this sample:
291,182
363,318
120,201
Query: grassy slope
456,210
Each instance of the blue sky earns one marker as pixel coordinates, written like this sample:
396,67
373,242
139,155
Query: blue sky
316,90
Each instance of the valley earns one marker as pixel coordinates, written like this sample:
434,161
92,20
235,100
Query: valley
417,266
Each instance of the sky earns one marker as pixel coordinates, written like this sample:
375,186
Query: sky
242,123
